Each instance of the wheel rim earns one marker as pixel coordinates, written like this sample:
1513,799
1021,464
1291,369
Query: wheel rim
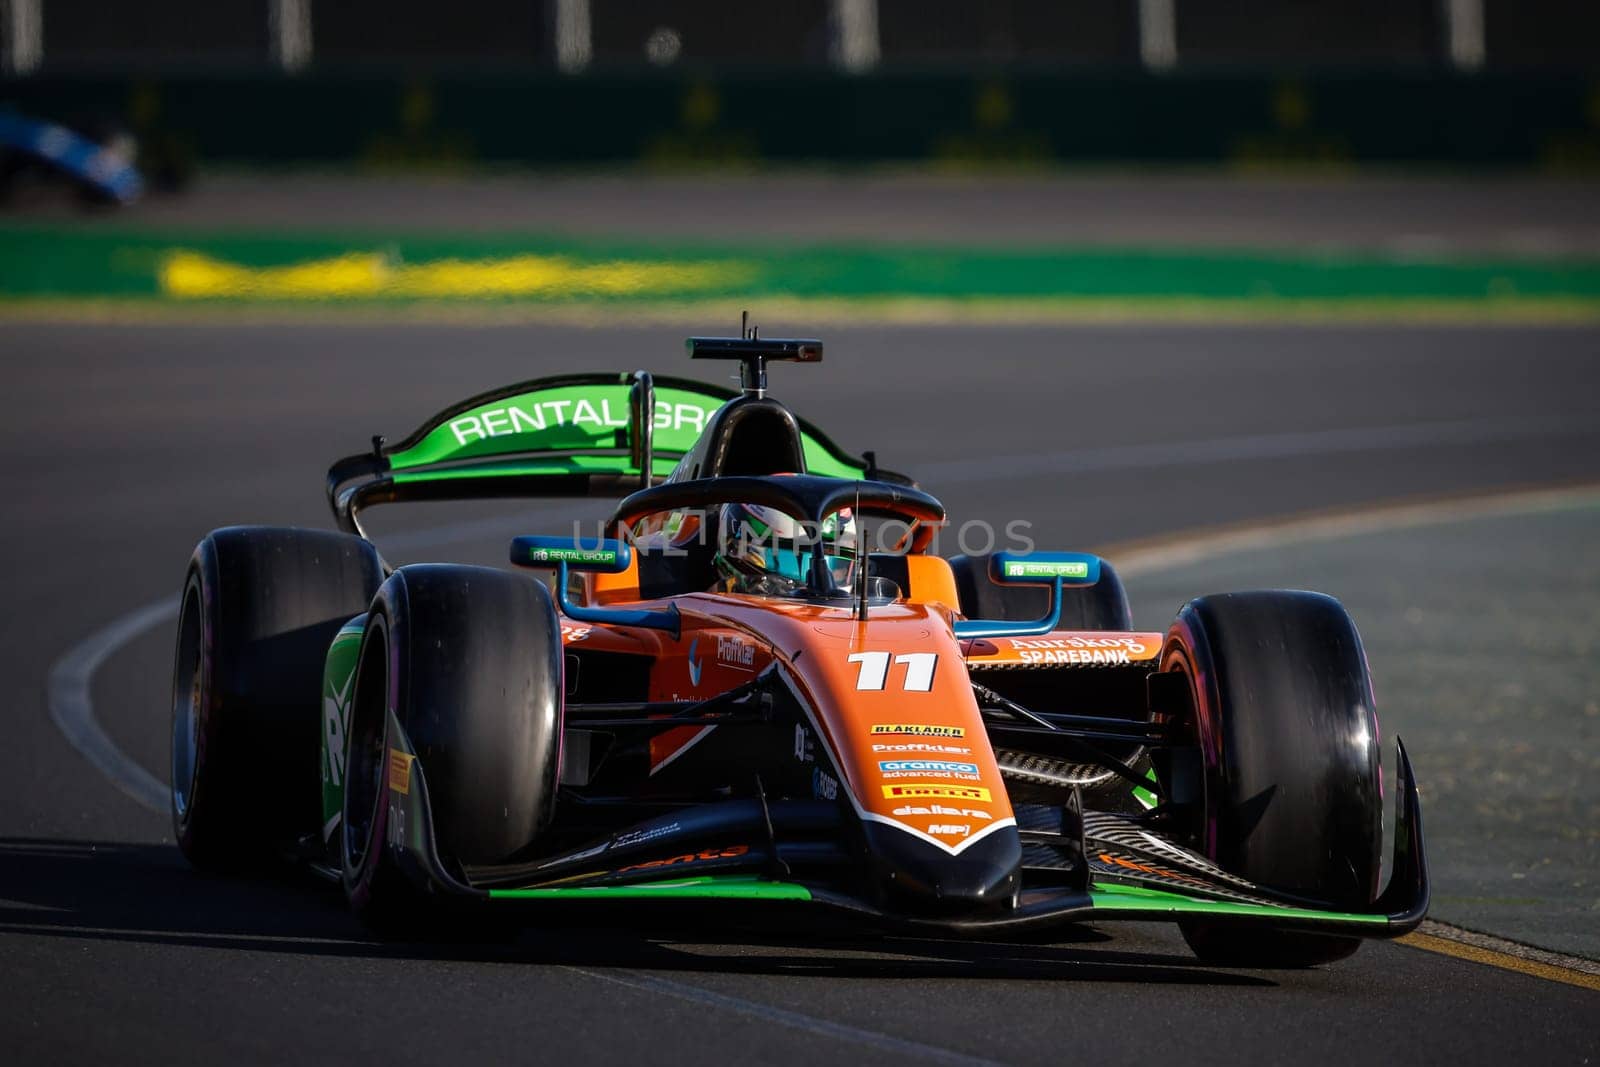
1175,658
188,695
365,769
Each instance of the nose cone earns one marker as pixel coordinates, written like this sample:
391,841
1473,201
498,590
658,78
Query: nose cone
918,875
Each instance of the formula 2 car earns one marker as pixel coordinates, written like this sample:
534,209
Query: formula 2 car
808,726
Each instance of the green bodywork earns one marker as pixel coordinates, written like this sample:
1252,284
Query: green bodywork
706,887
1158,903
1145,797
338,686
1110,900
579,429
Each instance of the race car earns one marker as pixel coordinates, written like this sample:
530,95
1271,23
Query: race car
759,690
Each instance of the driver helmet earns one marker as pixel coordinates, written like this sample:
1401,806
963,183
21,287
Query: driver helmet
762,550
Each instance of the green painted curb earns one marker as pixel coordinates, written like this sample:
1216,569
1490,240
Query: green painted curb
45,264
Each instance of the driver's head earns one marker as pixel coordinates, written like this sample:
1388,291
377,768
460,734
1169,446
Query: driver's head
762,549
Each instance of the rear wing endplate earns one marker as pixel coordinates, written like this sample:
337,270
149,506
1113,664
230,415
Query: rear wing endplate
577,435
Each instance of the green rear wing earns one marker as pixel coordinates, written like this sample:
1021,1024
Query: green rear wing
577,435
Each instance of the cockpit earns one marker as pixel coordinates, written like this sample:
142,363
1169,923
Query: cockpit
763,552
794,536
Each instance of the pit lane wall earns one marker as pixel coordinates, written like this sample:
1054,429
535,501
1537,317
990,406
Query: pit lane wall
1539,120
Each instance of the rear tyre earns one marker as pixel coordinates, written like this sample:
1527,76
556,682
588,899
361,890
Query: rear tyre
1287,731
260,606
469,660
1101,606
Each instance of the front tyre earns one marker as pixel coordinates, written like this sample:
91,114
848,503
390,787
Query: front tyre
1285,720
260,606
464,664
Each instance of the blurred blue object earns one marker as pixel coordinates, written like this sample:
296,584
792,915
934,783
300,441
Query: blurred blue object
106,170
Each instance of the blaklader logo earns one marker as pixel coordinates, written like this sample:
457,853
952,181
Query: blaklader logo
919,730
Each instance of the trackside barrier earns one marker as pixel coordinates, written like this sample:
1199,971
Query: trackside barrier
1536,120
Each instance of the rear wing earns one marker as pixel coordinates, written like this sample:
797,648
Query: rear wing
576,435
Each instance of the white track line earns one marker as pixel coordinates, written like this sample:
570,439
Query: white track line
71,700
70,689
1256,446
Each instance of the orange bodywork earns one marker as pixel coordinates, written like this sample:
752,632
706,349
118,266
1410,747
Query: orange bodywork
890,698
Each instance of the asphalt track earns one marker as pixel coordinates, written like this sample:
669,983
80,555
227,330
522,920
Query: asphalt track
1402,215
123,445
1500,689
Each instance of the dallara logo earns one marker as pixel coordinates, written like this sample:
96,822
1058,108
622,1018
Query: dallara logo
919,730
918,790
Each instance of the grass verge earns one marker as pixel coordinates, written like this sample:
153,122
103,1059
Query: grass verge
50,272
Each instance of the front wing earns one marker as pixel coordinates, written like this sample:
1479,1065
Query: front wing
786,855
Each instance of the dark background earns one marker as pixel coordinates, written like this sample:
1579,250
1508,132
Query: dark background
421,34
719,84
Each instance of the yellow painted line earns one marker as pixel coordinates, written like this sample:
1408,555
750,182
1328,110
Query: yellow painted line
1503,960
372,275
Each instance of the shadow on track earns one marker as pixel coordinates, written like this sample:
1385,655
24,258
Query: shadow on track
147,894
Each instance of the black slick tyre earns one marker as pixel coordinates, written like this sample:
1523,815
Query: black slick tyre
1285,720
469,660
260,606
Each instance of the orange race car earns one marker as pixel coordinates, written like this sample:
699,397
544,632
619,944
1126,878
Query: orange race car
763,688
